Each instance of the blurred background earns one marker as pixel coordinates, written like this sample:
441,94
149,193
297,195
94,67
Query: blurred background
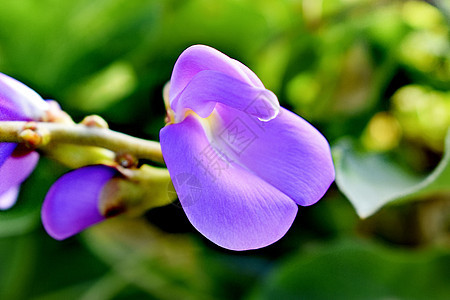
373,75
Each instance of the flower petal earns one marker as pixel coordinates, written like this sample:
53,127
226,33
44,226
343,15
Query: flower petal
72,203
6,149
228,204
18,102
287,152
8,198
16,169
198,58
209,87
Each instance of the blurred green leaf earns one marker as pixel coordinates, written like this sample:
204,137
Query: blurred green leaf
17,222
349,270
105,88
371,181
423,113
106,287
17,260
425,50
164,266
63,269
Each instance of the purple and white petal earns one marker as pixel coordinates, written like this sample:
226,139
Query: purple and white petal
226,202
210,87
9,197
72,203
239,163
18,102
16,169
287,152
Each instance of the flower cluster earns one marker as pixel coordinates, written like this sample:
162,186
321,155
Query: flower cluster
239,162
71,205
17,103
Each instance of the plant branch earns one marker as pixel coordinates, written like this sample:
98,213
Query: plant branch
78,134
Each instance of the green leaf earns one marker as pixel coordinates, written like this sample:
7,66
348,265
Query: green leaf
63,268
350,270
161,265
371,181
18,222
16,265
107,286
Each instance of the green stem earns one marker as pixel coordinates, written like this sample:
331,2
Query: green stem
57,133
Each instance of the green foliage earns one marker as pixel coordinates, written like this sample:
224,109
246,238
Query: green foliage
355,270
371,181
143,257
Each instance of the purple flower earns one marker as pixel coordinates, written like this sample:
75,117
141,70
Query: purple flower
73,202
17,103
240,164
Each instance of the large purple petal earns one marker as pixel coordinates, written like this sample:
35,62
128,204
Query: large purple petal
199,58
72,203
8,198
19,102
209,87
16,169
227,203
287,152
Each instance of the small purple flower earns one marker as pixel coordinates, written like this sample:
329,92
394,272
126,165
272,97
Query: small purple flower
73,202
17,103
239,162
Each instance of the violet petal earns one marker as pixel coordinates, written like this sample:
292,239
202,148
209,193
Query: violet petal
6,149
8,198
199,58
72,203
227,203
16,169
18,102
210,87
287,152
